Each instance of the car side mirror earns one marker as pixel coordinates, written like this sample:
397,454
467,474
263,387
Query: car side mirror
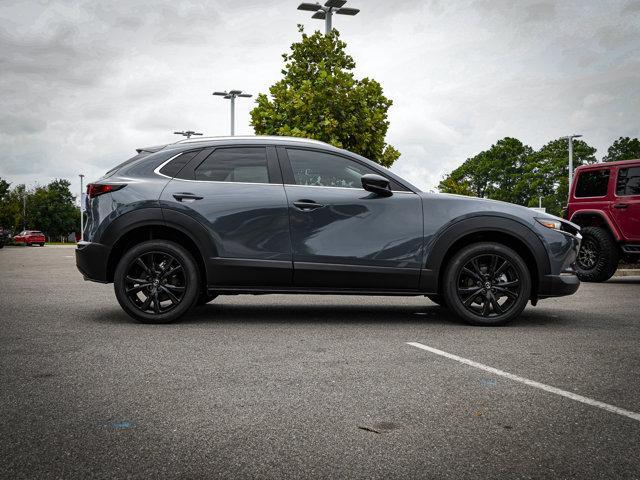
376,184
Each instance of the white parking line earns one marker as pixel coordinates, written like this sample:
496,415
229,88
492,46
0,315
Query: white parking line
532,383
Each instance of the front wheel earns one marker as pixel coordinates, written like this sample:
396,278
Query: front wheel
487,284
598,256
157,281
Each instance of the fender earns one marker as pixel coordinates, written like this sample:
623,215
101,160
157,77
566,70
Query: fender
156,216
598,213
438,246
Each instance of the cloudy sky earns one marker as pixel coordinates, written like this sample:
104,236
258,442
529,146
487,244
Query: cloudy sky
82,84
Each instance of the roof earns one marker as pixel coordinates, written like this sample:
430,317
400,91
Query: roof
592,166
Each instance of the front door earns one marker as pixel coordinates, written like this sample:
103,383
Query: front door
344,237
626,205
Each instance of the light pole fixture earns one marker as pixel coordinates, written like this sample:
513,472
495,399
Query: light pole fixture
326,11
232,95
187,133
570,138
81,207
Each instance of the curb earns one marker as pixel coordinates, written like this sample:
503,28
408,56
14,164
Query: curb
627,272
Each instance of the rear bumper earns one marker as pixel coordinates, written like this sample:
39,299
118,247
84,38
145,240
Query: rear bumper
92,260
558,285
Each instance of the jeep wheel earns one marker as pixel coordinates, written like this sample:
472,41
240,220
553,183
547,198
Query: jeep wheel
487,284
598,256
156,281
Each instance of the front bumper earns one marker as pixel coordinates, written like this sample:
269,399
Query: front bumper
92,260
558,285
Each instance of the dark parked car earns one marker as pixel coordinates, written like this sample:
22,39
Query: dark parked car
179,224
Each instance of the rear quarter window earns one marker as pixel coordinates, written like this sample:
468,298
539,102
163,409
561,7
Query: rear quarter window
592,183
172,168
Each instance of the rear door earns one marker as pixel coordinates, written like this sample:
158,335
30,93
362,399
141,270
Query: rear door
236,193
343,236
625,209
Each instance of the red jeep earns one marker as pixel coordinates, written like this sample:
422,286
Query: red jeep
605,201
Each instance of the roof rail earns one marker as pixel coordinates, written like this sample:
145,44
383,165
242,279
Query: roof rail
251,137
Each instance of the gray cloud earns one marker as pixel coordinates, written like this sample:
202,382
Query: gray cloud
82,84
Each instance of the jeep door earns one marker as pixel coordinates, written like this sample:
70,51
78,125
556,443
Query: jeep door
625,208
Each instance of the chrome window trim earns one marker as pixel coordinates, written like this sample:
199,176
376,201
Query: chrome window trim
157,169
343,188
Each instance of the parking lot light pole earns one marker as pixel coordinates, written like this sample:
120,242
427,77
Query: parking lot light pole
81,193
325,12
570,138
232,95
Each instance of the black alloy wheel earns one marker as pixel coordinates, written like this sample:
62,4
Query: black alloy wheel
486,284
157,281
588,254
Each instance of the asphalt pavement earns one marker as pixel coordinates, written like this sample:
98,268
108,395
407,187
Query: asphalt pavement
279,386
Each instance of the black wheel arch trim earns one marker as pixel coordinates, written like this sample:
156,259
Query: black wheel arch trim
162,217
438,247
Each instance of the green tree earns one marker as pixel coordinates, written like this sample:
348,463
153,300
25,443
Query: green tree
49,208
52,209
495,173
513,172
319,97
624,148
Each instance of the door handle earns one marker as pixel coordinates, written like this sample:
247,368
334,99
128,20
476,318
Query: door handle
189,197
307,205
620,205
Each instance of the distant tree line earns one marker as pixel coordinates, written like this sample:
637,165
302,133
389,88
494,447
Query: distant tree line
514,172
50,208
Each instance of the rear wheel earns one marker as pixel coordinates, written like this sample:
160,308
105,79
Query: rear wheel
598,256
156,281
487,284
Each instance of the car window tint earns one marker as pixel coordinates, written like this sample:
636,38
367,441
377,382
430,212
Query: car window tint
592,183
628,181
238,164
325,170
172,168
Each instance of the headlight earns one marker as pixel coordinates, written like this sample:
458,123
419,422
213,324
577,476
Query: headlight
550,223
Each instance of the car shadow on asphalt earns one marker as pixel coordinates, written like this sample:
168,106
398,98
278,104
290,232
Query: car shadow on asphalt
429,314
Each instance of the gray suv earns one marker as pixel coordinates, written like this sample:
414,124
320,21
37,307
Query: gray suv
177,225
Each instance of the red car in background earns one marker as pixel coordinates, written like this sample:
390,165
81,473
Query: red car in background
30,237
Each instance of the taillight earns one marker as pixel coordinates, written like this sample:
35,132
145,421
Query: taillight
95,189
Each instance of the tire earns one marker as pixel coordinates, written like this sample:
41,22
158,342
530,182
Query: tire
42,244
486,284
598,257
438,300
170,274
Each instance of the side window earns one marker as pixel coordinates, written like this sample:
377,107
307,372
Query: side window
235,164
325,170
592,183
628,182
172,168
